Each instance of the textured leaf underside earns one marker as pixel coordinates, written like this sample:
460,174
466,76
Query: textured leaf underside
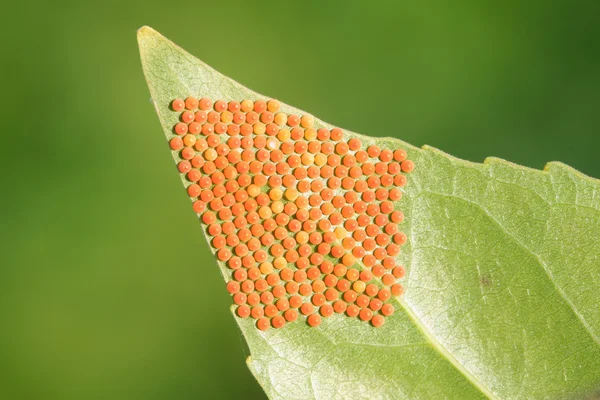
502,288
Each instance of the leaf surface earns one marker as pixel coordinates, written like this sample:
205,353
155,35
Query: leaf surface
503,277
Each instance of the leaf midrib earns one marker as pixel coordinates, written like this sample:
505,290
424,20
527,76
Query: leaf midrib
539,260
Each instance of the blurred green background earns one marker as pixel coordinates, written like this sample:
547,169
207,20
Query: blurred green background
107,290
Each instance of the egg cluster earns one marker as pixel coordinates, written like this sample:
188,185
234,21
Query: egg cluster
306,219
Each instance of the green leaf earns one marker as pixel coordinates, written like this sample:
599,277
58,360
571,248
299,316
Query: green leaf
502,288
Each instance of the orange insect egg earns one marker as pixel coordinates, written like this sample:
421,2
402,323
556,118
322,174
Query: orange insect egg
194,128
331,294
358,252
318,299
239,274
267,117
200,117
265,297
350,296
295,301
177,105
220,106
176,144
352,310
352,275
223,254
233,287
326,310
278,322
371,290
184,166
400,155
297,133
399,272
191,103
359,235
260,106
327,148
387,180
261,285
365,314
263,324
282,304
358,286
381,194
292,287
286,274
213,117
307,121
315,147
350,161
209,167
343,285
387,207
336,134
238,118
378,271
375,304
253,272
392,249
386,155
257,312
379,252
305,289
389,262
326,267
291,315
400,180
340,270
384,294
407,166
220,128
341,148
246,105
394,168
241,250
362,301
259,129
265,266
369,260
278,291
239,298
243,311
378,321
318,286
268,240
328,237
387,310
314,320
397,289
339,307
306,308
205,104
194,191
234,263
400,238
381,168
395,194
181,128
382,239
373,151
348,259
293,120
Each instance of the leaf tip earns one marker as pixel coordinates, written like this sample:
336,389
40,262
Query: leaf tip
145,31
